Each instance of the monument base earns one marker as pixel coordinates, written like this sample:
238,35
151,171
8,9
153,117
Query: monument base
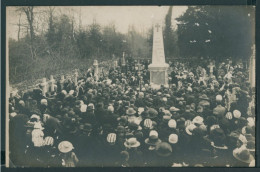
158,75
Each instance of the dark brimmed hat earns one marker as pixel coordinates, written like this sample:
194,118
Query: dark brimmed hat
152,140
163,149
120,129
87,127
152,113
130,111
243,155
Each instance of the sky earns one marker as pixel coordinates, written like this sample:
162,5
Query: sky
141,17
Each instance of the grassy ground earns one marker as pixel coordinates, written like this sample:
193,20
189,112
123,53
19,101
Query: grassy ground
25,81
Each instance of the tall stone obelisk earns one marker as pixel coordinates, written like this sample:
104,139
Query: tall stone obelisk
158,68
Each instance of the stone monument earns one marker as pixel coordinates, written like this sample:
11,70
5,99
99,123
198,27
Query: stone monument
158,67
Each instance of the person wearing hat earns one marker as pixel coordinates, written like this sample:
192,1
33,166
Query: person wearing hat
49,155
100,112
123,159
44,106
110,150
135,155
175,112
68,157
163,153
37,135
110,118
201,147
219,111
219,147
19,137
52,126
140,101
130,112
187,114
242,157
35,152
152,140
204,101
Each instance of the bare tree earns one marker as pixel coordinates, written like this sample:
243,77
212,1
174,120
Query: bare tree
19,27
30,19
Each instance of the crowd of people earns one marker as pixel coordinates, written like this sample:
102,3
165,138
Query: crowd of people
205,118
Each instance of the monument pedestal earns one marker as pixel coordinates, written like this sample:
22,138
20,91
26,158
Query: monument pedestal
158,75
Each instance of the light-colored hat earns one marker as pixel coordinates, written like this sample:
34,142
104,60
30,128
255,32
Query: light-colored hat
187,123
153,133
140,110
252,163
83,108
148,123
214,127
65,146
43,101
173,138
132,143
219,98
71,92
167,112
190,128
174,109
164,99
250,122
48,141
198,120
64,92
237,114
141,94
229,115
111,138
13,114
172,123
110,108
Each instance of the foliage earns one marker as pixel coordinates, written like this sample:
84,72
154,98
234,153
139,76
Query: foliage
216,32
170,37
63,47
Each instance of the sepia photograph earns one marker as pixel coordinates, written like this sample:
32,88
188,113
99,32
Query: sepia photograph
130,86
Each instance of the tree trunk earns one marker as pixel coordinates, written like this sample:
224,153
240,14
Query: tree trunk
19,26
30,18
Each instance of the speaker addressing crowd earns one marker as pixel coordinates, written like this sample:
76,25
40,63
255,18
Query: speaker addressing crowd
206,117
